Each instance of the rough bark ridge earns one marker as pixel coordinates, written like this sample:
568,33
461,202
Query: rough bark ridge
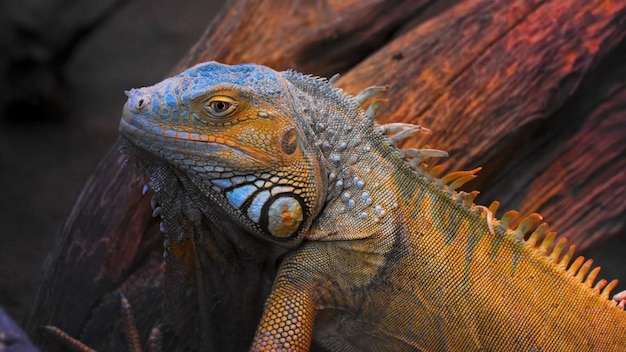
531,90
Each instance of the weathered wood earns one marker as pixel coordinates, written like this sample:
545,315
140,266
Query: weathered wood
571,167
483,76
317,37
105,239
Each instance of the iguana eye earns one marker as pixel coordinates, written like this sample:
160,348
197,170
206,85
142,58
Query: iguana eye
220,106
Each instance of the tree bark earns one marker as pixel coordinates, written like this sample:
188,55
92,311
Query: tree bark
491,79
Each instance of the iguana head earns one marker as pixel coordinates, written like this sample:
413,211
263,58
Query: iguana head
233,132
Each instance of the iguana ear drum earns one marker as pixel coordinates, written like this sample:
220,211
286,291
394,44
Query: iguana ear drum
289,141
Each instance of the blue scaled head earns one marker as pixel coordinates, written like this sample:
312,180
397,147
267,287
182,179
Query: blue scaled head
236,131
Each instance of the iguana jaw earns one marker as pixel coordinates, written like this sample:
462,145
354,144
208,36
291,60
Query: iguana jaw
207,192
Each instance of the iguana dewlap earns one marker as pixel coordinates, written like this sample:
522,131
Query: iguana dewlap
385,256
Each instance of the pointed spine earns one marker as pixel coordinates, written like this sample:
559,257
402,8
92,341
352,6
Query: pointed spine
580,276
493,207
606,293
434,172
547,241
507,218
573,269
489,217
459,178
537,235
370,113
558,248
592,277
370,92
567,257
526,225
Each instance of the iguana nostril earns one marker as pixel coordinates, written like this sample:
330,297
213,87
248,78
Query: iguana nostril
138,103
136,100
135,104
141,103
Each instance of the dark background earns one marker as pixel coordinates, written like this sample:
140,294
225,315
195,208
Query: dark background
64,66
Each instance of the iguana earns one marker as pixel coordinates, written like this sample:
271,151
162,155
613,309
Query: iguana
383,254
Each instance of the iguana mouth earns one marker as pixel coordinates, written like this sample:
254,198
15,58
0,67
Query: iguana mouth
144,135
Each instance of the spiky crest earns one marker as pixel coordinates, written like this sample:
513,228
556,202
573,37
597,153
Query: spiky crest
540,240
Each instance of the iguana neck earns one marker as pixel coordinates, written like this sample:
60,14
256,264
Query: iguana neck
358,160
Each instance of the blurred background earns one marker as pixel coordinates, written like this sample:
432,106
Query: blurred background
64,66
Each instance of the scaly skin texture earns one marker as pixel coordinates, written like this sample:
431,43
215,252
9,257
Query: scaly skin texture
384,254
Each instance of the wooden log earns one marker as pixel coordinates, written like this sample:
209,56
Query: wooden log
571,166
487,74
317,37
